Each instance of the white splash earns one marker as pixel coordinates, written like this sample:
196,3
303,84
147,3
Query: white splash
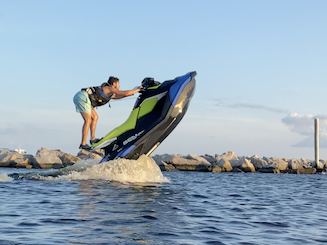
5,178
143,170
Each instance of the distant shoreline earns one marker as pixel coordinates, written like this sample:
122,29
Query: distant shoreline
219,163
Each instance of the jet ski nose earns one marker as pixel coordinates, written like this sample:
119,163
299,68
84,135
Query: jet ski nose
193,73
184,95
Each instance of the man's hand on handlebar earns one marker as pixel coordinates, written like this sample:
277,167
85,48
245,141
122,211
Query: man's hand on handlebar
138,89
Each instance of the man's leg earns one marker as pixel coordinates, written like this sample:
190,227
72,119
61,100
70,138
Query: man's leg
94,121
86,126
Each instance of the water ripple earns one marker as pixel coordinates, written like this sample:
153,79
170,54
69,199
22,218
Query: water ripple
214,209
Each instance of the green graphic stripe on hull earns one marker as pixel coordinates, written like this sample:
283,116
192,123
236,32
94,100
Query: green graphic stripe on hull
127,125
147,106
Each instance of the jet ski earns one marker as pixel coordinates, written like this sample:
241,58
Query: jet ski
157,111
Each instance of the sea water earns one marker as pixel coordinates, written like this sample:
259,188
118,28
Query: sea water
132,202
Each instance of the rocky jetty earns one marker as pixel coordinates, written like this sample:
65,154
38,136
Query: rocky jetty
44,158
226,162
231,162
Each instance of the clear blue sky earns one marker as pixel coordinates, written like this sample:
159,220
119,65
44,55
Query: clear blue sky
257,62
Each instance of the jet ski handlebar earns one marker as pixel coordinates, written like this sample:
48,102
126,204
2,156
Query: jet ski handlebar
147,83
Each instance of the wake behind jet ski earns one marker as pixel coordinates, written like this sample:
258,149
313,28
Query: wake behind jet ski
157,111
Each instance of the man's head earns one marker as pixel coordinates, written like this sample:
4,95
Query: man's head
113,82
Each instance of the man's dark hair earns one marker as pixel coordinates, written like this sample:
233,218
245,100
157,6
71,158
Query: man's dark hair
112,80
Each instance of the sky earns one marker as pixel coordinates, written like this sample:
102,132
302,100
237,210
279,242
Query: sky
261,70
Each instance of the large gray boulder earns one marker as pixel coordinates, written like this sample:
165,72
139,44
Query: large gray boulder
258,162
227,161
46,158
83,154
301,166
211,159
188,163
295,164
278,163
166,167
269,165
198,158
224,164
68,159
247,166
320,166
164,162
5,158
230,156
325,164
15,159
167,158
26,161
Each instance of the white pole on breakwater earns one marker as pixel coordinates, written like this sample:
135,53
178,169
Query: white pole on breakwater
317,142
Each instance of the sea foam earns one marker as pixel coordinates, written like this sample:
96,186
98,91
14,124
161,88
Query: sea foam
142,170
5,178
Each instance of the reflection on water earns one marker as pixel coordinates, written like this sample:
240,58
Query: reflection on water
127,211
194,208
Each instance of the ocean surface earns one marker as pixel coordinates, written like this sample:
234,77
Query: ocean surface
131,202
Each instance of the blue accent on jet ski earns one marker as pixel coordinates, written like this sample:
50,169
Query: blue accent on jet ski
126,151
180,90
176,88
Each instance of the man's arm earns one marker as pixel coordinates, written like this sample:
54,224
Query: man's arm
118,94
116,97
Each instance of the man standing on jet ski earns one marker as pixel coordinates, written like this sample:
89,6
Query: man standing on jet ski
88,99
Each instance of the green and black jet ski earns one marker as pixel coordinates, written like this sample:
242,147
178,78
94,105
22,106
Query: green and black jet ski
157,111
